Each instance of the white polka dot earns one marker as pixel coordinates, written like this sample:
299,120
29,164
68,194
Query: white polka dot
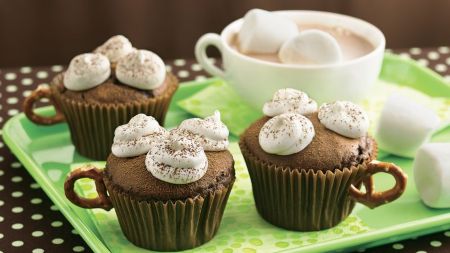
78,249
436,243
38,251
183,73
405,55
168,68
25,70
17,209
10,76
57,241
1,187
421,251
444,50
54,208
37,216
13,112
26,93
200,78
42,74
398,246
423,62
1,236
11,88
17,226
16,179
36,201
447,233
56,224
2,219
35,186
196,67
2,202
17,243
27,81
433,55
1,144
16,165
74,232
415,50
2,158
2,172
1,119
17,194
447,61
447,78
441,67
179,62
12,100
57,68
37,233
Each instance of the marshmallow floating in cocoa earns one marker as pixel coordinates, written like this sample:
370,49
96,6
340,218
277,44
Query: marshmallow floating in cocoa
264,32
310,47
432,174
404,126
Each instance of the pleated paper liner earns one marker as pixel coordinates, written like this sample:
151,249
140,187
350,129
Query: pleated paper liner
92,125
302,200
168,225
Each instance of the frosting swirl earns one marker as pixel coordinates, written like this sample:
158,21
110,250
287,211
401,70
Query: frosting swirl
115,48
286,134
345,118
141,69
289,100
177,160
86,71
137,136
212,133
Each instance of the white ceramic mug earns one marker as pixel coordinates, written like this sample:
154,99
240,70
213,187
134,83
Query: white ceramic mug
256,80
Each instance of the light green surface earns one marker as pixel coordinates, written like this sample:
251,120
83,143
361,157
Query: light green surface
48,155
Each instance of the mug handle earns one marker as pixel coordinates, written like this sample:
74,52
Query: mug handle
209,39
372,198
89,171
28,105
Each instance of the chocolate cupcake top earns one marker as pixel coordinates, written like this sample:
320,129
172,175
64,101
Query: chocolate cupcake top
332,138
155,164
114,68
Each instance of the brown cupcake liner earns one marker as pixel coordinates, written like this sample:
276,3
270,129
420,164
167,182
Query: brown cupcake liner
299,199
92,125
169,225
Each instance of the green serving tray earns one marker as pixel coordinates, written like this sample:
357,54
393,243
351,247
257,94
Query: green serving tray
47,153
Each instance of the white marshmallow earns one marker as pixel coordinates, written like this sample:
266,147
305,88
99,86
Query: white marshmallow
115,48
311,47
86,71
264,32
404,126
432,174
141,69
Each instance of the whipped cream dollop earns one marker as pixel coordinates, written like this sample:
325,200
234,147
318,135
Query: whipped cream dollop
345,118
286,134
86,71
137,136
289,100
141,69
212,133
179,159
115,48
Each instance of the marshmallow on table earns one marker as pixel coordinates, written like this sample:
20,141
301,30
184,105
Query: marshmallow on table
311,47
404,126
432,174
264,32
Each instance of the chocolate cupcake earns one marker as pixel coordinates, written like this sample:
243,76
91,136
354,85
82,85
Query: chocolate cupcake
100,91
169,189
306,167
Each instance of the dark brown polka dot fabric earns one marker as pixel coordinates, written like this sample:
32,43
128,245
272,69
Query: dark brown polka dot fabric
30,222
